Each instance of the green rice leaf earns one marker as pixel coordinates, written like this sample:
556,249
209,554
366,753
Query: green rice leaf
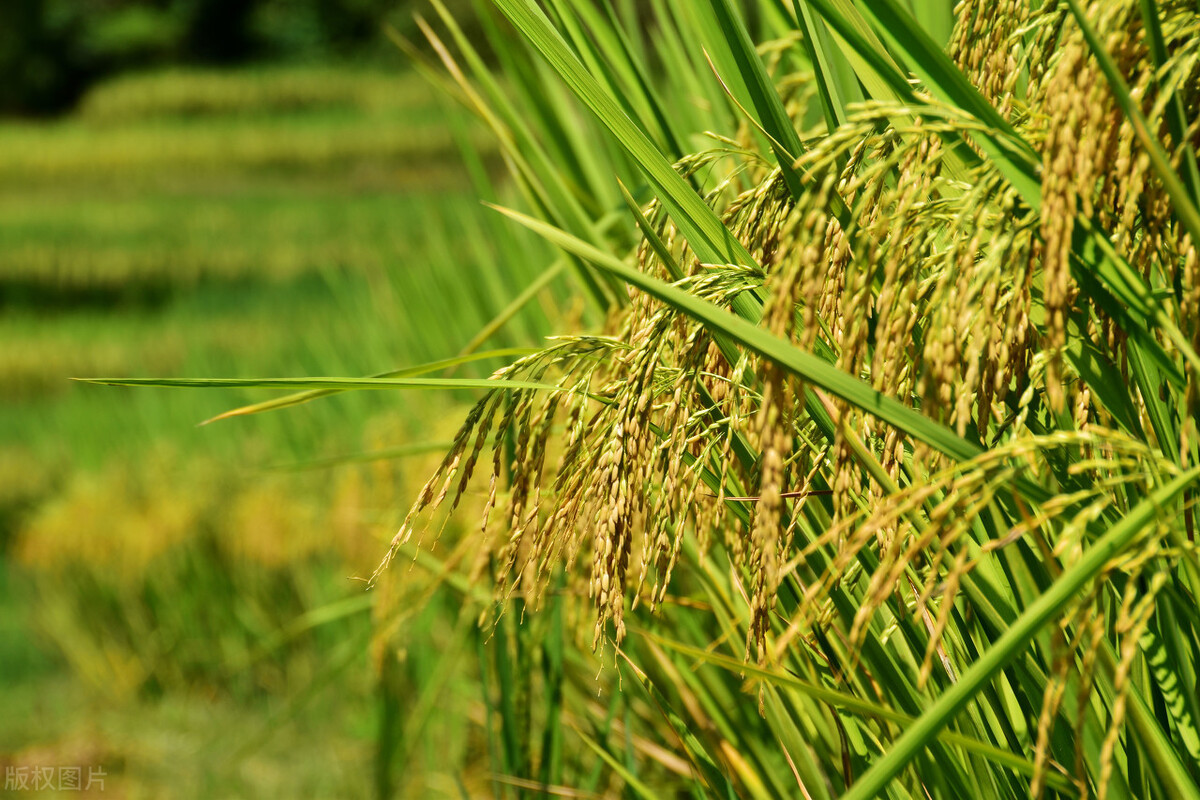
1015,159
408,372
334,384
712,774
1032,620
1181,701
631,781
832,104
705,232
848,702
771,114
878,72
1175,112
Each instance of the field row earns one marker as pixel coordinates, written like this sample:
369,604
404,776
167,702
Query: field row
261,92
192,125
52,247
331,141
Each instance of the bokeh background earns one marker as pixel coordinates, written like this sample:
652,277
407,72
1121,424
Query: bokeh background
231,188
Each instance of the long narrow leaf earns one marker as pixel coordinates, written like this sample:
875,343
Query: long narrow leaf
707,235
851,703
784,139
832,104
336,384
408,372
1009,646
637,786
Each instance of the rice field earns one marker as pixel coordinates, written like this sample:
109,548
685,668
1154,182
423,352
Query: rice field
158,576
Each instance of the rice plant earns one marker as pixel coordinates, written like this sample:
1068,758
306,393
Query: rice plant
894,414
879,476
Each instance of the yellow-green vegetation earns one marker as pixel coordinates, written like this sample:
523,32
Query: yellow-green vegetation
332,138
865,463
131,193
159,241
193,590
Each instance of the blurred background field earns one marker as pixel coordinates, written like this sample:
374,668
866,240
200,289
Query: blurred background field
182,606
